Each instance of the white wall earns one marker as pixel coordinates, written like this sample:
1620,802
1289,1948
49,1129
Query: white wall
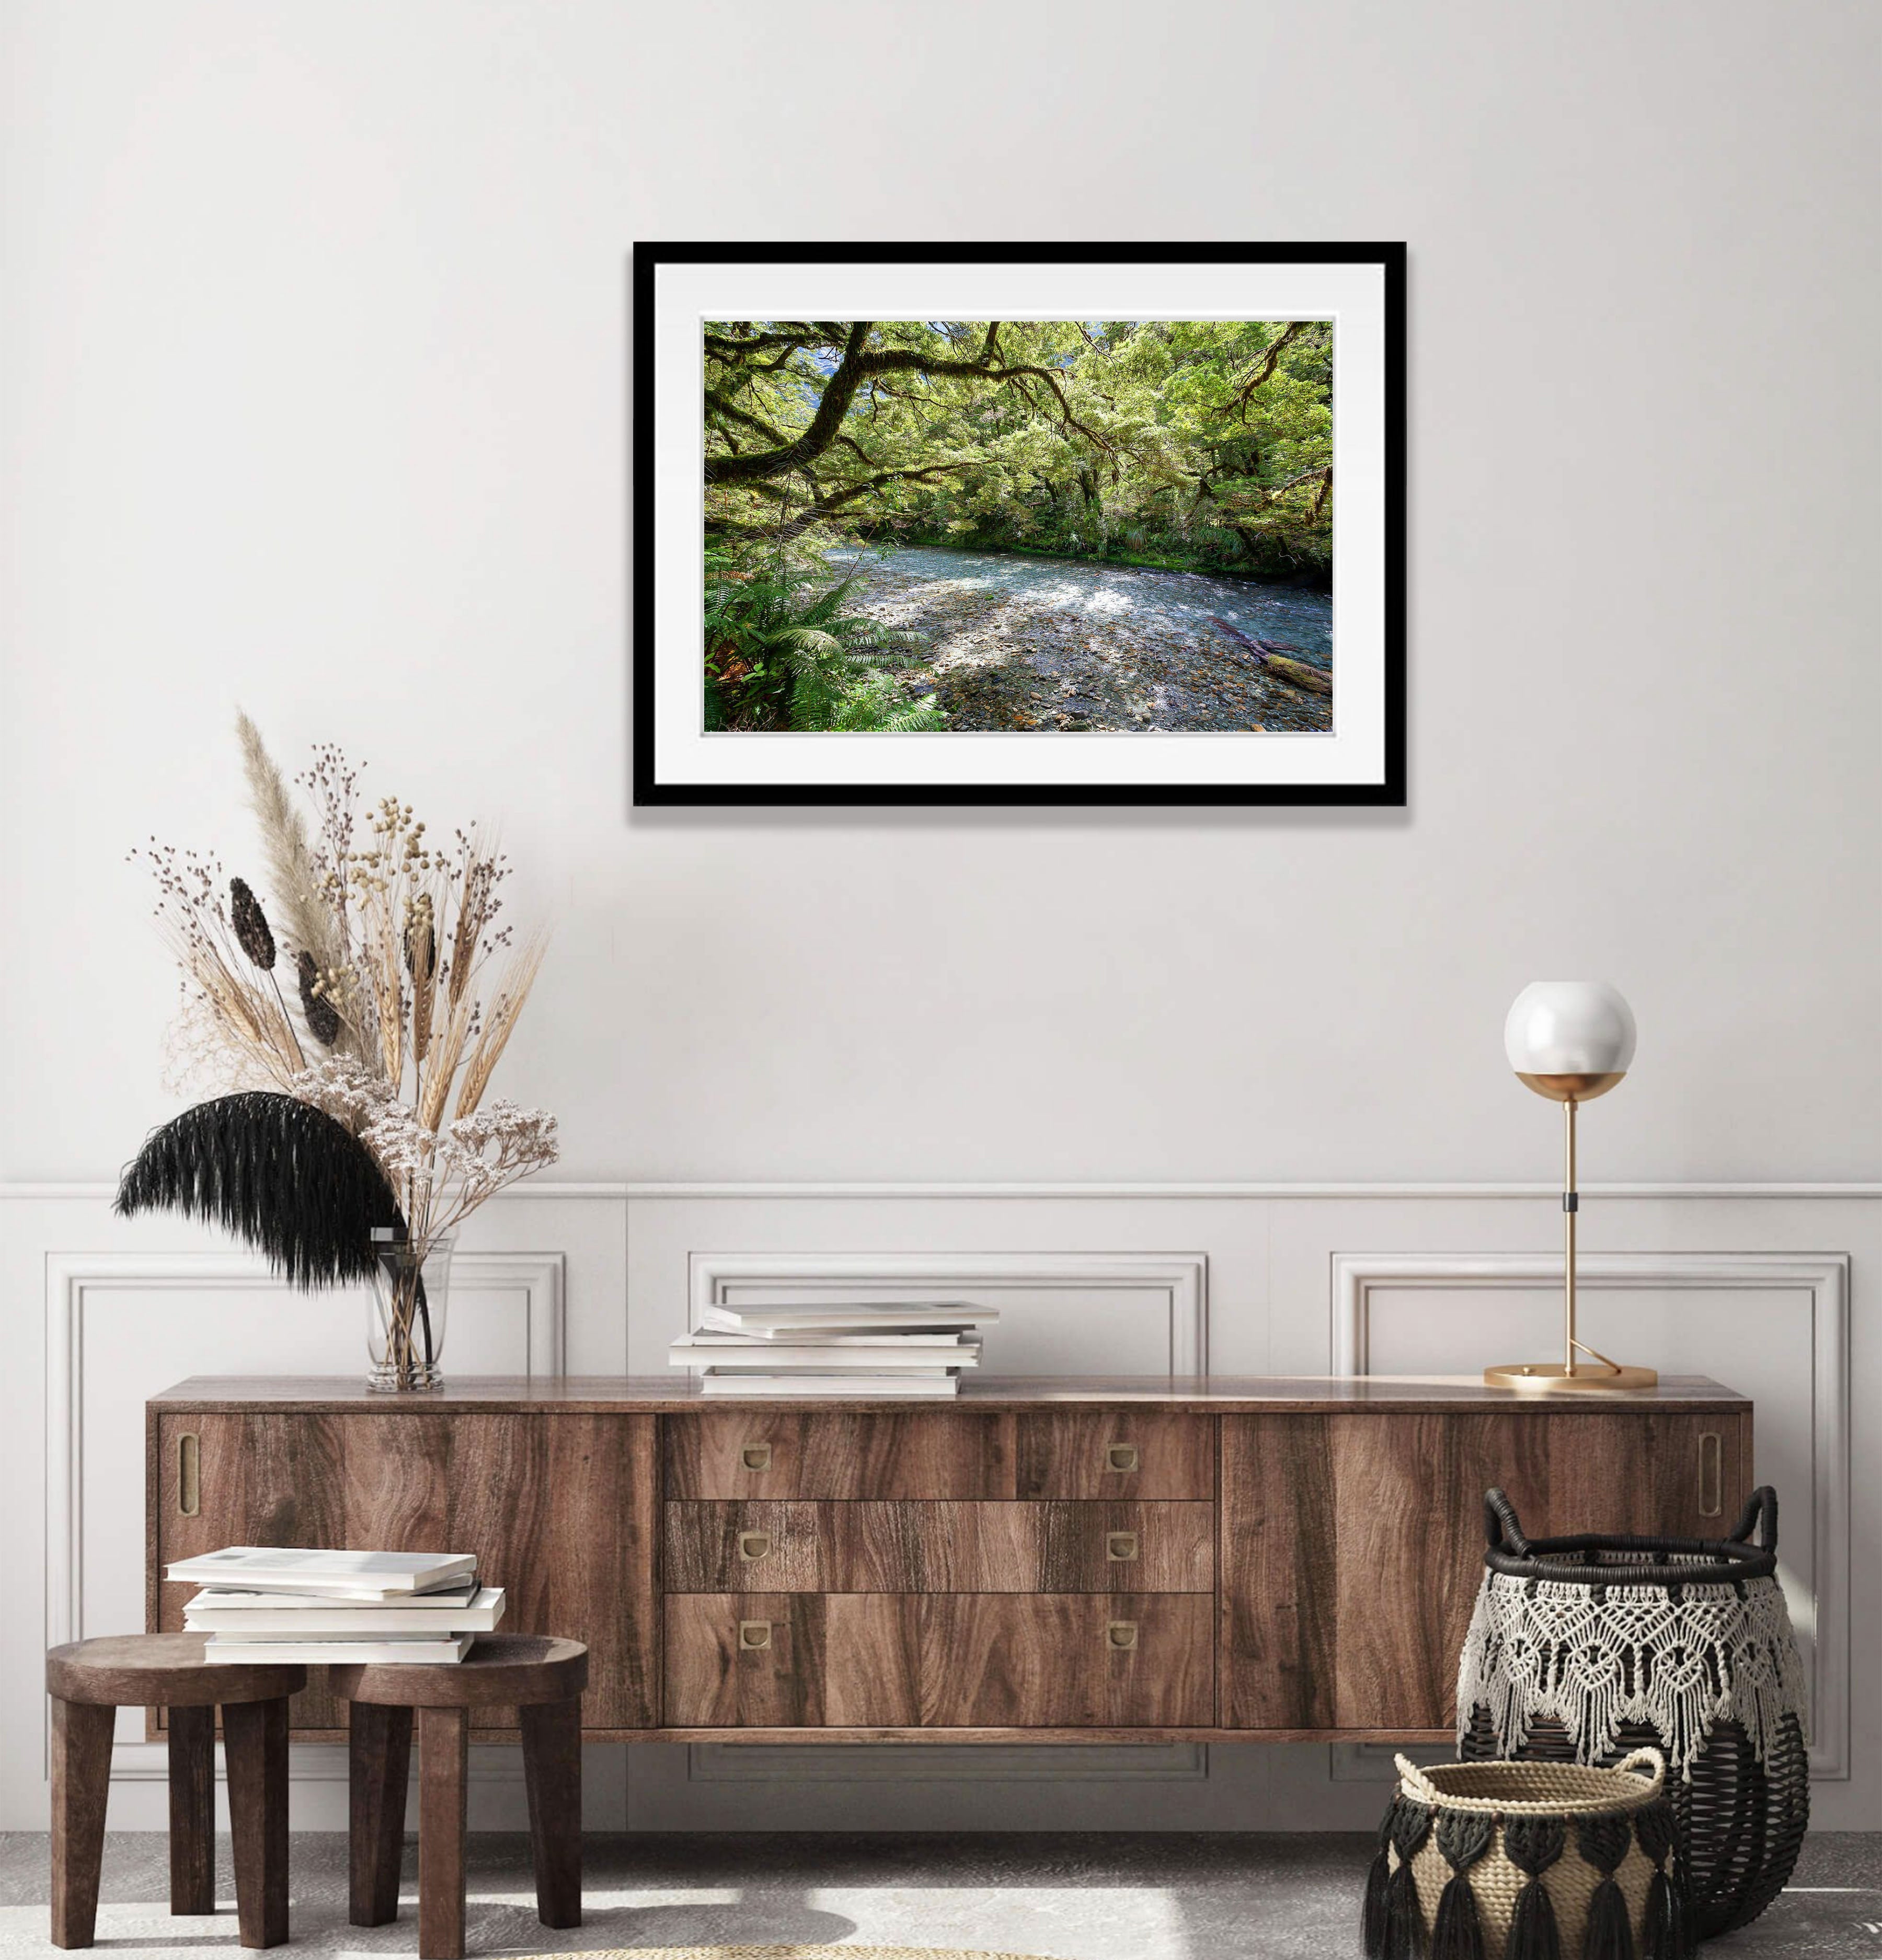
313,385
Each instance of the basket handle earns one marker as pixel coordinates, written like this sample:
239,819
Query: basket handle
1415,1781
1500,1526
1760,1514
1648,1759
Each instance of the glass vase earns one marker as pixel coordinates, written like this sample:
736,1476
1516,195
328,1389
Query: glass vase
404,1318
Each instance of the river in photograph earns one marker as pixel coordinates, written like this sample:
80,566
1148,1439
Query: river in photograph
1011,641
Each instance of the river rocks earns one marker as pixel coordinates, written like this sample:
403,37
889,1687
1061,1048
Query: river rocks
1027,644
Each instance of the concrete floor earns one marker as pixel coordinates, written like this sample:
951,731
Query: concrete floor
1065,1897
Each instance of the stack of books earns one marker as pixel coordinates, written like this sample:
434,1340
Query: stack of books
901,1348
266,1603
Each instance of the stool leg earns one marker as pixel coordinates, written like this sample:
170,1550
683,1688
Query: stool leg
552,1771
192,1809
81,1777
444,1766
255,1749
379,1760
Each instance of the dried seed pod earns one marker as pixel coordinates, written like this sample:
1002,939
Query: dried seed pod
323,1020
251,924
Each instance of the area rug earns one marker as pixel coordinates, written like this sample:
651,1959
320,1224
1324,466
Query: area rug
822,1951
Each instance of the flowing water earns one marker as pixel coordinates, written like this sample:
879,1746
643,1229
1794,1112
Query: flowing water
1016,641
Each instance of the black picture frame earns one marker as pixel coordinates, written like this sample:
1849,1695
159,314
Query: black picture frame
650,790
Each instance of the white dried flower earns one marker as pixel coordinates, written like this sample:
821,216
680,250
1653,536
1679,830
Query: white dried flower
442,1175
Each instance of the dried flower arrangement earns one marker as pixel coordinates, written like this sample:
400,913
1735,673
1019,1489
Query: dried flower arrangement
391,944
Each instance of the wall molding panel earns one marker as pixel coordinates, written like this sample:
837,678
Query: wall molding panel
1181,1277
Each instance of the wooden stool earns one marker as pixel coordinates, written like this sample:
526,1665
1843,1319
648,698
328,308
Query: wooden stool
541,1678
89,1681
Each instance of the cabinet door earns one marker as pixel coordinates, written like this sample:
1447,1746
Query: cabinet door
560,1509
1352,1546
273,1480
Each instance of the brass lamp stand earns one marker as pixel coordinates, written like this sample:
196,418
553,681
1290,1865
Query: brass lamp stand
1556,1022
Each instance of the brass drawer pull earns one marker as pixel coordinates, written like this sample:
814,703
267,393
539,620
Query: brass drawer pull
188,1474
754,1545
1712,1474
756,1456
1121,1634
754,1634
1121,1546
1121,1456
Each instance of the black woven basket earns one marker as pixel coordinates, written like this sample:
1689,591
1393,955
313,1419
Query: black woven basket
1582,1648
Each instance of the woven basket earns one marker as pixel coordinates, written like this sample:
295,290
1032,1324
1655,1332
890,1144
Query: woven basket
1528,1861
1582,1647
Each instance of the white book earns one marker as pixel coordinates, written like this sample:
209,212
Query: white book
476,1609
837,1344
862,1385
355,1575
225,1653
954,1316
734,1351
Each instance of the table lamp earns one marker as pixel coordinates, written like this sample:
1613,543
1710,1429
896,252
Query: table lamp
1572,1041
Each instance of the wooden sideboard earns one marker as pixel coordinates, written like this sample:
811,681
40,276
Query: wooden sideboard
1281,1560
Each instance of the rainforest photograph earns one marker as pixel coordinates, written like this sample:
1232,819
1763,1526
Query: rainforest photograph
1044,526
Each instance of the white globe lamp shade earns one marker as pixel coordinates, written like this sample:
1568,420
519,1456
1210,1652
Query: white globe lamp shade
1571,1040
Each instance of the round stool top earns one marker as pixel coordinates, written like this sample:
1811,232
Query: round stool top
501,1671
161,1670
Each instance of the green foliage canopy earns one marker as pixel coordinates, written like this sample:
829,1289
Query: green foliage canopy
1197,442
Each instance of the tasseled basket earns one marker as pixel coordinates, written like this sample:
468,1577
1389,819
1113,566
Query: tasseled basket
1529,1861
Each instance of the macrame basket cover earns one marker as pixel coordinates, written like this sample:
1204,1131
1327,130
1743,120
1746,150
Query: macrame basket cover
1581,1648
1529,1861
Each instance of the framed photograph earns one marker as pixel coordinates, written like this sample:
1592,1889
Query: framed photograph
1021,524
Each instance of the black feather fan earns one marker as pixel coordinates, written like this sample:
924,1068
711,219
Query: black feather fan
284,1176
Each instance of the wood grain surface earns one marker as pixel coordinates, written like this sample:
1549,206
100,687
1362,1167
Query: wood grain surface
1069,1453
378,1767
1352,1545
265,1479
1003,1660
1216,1395
130,1670
255,1759
1276,1606
561,1509
917,1569
792,1660
81,1781
443,1788
861,1546
552,1775
192,1753
501,1671
839,1452
938,1660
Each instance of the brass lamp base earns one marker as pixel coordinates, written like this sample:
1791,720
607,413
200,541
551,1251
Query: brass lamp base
1551,1378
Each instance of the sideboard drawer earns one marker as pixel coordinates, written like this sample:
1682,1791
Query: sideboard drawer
861,1546
1114,1452
836,1453
1067,1661
781,1660
942,1661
